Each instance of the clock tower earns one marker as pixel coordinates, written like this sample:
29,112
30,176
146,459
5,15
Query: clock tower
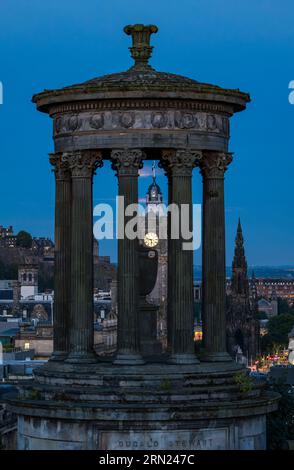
154,235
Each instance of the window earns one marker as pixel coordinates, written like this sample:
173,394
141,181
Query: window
27,346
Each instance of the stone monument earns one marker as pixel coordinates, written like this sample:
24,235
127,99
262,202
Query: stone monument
80,401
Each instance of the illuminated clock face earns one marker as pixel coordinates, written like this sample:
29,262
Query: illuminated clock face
151,239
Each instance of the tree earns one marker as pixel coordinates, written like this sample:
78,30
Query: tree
279,327
24,239
280,424
8,271
261,316
283,306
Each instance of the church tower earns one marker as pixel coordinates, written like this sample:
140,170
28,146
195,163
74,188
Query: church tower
28,280
154,194
242,326
153,234
239,284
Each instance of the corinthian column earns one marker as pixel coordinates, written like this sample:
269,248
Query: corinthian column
179,165
213,166
62,257
127,164
81,335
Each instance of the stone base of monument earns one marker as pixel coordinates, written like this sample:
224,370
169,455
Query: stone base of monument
154,407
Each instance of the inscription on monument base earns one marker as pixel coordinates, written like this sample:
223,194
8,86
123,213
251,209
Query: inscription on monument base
204,439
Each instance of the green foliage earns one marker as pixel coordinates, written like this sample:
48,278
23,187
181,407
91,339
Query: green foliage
261,316
283,306
279,327
34,395
61,396
280,423
8,271
24,239
165,385
244,382
45,281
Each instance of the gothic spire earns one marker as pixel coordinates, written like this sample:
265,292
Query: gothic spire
239,266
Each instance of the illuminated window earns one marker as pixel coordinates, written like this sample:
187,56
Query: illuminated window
27,346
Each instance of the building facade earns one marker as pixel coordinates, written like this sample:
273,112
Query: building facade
271,289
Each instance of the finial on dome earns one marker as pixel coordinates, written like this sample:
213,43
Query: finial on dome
141,50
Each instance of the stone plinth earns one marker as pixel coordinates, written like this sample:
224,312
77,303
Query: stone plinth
161,407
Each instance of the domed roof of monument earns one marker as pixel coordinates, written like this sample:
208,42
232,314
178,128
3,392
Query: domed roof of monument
137,78
140,81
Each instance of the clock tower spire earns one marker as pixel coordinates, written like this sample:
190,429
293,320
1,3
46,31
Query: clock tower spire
154,194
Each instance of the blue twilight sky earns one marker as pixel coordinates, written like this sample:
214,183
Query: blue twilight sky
244,44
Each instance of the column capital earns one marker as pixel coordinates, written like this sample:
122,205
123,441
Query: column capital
60,168
180,162
82,163
214,164
127,162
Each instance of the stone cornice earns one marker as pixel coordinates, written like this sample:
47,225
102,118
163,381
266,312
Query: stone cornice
125,104
233,99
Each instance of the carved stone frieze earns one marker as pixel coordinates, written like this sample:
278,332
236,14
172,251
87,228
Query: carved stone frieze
67,123
141,119
159,119
96,121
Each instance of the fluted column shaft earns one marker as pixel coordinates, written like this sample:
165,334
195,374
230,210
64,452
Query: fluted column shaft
81,334
213,166
62,257
170,267
127,163
179,165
